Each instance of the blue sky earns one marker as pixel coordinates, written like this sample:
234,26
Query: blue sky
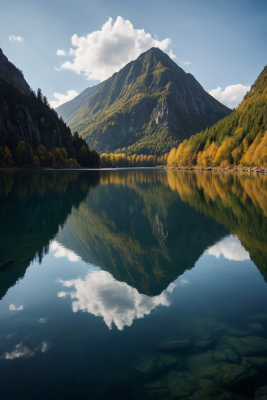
222,43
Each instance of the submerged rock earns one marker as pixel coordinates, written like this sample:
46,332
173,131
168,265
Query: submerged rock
157,390
181,384
154,385
261,393
177,344
226,355
209,326
258,318
225,395
186,387
249,346
157,394
237,333
202,365
231,375
203,344
255,362
149,365
206,389
255,326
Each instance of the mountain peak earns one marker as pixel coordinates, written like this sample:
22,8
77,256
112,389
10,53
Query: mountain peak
147,107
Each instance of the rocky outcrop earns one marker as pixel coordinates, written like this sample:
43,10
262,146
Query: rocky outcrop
12,73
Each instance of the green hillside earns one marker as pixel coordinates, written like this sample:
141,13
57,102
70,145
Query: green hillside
238,139
148,107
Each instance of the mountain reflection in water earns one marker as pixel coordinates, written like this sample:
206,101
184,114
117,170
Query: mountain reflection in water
145,227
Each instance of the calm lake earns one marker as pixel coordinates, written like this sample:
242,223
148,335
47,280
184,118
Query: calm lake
137,284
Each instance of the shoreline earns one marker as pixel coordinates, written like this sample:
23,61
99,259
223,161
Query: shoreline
254,170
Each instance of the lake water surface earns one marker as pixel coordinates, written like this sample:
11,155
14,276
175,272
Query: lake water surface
133,284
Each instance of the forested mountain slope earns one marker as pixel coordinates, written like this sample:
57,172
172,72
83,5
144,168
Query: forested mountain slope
32,134
238,139
148,107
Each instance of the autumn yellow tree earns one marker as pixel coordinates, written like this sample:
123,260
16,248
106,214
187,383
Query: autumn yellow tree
8,161
21,154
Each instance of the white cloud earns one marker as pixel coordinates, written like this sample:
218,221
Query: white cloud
185,62
231,96
14,308
61,251
101,295
63,98
230,248
102,53
42,320
13,38
19,351
62,53
62,294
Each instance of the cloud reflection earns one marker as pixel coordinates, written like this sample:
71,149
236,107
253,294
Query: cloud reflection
184,282
231,248
61,251
21,350
12,307
101,295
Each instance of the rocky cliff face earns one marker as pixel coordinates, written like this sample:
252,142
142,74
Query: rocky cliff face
147,107
12,73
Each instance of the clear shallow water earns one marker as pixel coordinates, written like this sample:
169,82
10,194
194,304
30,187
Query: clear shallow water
132,285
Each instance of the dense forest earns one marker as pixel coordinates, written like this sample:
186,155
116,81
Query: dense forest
51,146
136,160
239,139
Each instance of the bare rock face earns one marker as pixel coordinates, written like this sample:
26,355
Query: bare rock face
12,74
